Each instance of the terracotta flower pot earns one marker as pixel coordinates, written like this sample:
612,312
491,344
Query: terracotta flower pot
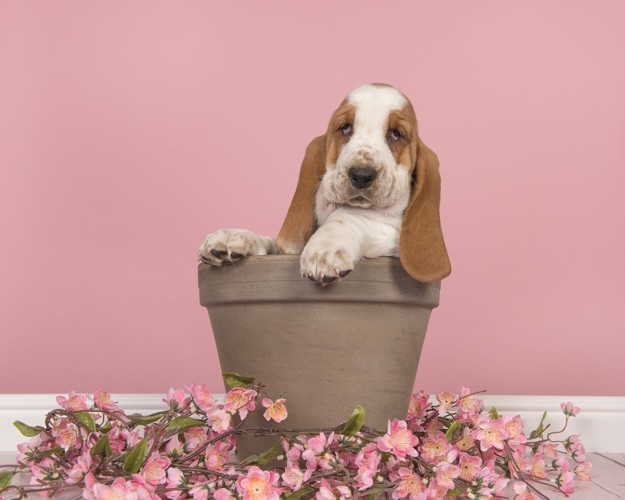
327,348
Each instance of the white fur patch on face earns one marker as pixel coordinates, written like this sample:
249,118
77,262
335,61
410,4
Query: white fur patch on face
368,147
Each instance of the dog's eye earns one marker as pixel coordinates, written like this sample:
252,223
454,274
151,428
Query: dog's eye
346,129
394,134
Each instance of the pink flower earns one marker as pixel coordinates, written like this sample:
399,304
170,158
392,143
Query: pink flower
176,399
275,410
217,455
569,410
399,440
418,405
103,401
470,466
315,451
576,449
582,471
520,488
176,482
195,437
80,469
537,468
259,485
223,494
564,481
410,485
293,477
436,448
468,406
325,491
368,462
221,420
154,470
445,475
66,434
490,433
241,400
202,397
76,402
446,400
118,490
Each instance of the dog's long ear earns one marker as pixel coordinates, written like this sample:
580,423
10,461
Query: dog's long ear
300,224
421,245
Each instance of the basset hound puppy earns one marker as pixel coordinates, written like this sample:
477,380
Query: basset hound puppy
368,187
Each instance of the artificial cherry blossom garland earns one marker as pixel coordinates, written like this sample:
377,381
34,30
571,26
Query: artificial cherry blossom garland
450,449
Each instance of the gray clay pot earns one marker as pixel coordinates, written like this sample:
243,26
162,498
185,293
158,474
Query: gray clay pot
327,349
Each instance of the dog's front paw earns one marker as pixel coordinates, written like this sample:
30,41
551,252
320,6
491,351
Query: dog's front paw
325,265
231,245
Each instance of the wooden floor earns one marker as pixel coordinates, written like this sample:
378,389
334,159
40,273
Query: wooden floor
608,479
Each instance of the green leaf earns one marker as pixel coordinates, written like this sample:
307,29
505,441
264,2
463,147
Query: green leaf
538,432
452,430
86,419
453,493
372,496
267,456
179,424
27,430
135,457
493,413
146,419
355,422
233,379
305,490
5,479
102,447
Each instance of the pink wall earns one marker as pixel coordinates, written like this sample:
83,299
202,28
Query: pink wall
128,130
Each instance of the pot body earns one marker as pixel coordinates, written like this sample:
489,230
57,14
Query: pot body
327,349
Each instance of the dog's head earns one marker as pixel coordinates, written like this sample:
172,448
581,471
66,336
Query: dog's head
371,157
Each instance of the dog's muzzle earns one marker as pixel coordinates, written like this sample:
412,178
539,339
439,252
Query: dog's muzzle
362,177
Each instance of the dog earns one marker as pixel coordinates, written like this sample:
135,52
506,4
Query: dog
369,187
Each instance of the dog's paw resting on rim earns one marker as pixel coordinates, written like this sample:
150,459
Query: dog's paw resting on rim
325,265
231,245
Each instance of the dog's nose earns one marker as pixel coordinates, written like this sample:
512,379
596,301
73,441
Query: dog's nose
362,177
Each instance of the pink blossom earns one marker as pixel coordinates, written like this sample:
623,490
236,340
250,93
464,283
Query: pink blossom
293,477
154,470
490,433
564,481
221,420
490,483
537,468
176,399
80,468
445,475
241,400
410,485
520,488
325,491
118,490
470,466
576,449
468,406
195,437
446,400
399,440
418,405
66,434
76,402
259,485
368,462
549,450
436,448
223,494
202,397
275,410
569,410
582,471
103,401
217,455
315,451
176,482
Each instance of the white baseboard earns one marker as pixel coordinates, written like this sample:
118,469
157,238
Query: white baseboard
601,422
